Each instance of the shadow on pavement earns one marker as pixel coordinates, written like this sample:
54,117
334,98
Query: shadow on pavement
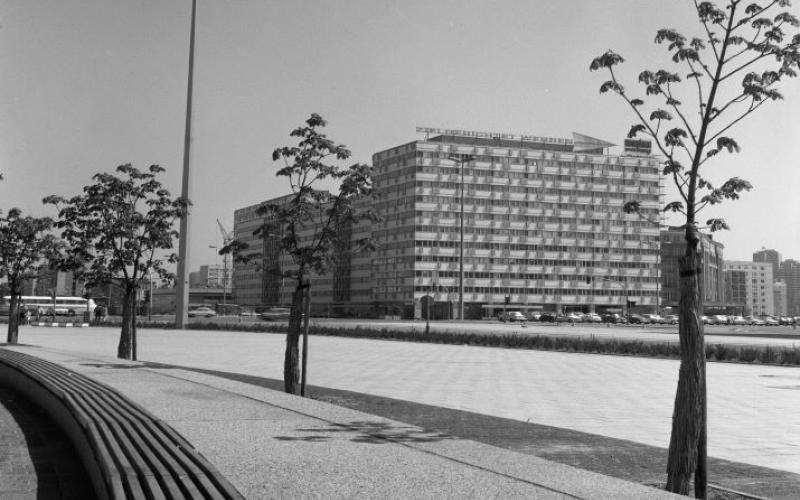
618,458
57,471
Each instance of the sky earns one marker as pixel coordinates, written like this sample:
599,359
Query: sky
91,84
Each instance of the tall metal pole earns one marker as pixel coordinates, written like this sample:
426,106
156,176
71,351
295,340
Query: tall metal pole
461,159
182,288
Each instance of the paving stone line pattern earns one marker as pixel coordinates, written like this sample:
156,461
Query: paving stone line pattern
752,408
37,461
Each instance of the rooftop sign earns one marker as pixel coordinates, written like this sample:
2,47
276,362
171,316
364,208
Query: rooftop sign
492,135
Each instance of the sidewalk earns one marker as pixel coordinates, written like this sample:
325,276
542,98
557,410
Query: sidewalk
272,445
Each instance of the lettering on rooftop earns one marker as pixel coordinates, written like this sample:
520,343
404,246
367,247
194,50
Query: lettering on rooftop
492,135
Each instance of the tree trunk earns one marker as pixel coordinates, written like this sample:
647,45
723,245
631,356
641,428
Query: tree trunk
127,337
291,360
306,319
688,422
13,319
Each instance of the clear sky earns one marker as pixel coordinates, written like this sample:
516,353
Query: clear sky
90,84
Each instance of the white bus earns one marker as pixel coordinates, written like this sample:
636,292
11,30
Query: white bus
65,306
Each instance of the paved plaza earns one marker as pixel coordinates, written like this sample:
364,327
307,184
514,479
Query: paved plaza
752,408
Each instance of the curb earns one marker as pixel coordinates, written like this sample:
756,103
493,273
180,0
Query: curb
60,325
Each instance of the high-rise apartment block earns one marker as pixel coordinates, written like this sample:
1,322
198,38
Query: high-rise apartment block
751,286
790,274
539,220
771,256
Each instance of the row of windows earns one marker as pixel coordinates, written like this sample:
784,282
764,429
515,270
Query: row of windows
498,290
486,245
427,228
535,262
421,215
526,276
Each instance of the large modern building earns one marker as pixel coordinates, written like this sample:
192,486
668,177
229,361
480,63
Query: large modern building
751,286
790,274
771,256
543,226
673,246
542,229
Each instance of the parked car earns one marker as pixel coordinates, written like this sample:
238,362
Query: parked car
563,318
707,320
513,317
592,318
575,318
547,317
275,314
613,318
738,320
752,320
202,311
654,318
671,319
719,319
637,319
770,321
534,316
786,320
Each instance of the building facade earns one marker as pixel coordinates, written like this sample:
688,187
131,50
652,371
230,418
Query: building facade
543,230
754,281
543,226
216,276
344,289
779,300
673,247
773,257
790,274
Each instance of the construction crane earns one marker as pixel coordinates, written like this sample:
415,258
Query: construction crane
227,238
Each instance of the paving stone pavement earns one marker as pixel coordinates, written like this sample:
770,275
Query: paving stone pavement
36,459
752,408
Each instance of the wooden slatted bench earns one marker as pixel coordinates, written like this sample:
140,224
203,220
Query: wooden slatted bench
127,451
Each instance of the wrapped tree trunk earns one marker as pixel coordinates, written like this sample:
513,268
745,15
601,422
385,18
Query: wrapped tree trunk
291,361
13,319
688,418
127,337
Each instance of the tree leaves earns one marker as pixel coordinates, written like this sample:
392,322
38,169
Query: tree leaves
715,225
660,114
674,137
674,206
635,129
26,247
611,85
607,60
117,225
728,143
708,12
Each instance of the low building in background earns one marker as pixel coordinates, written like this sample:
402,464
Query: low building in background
673,247
790,274
780,299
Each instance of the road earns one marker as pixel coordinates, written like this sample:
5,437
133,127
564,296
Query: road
776,336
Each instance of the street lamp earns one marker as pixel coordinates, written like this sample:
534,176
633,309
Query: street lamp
461,159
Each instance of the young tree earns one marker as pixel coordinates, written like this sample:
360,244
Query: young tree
26,248
116,232
731,70
311,223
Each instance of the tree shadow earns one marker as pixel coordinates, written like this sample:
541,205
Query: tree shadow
370,432
118,366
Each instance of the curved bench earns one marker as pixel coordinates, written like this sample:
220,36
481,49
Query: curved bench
128,452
